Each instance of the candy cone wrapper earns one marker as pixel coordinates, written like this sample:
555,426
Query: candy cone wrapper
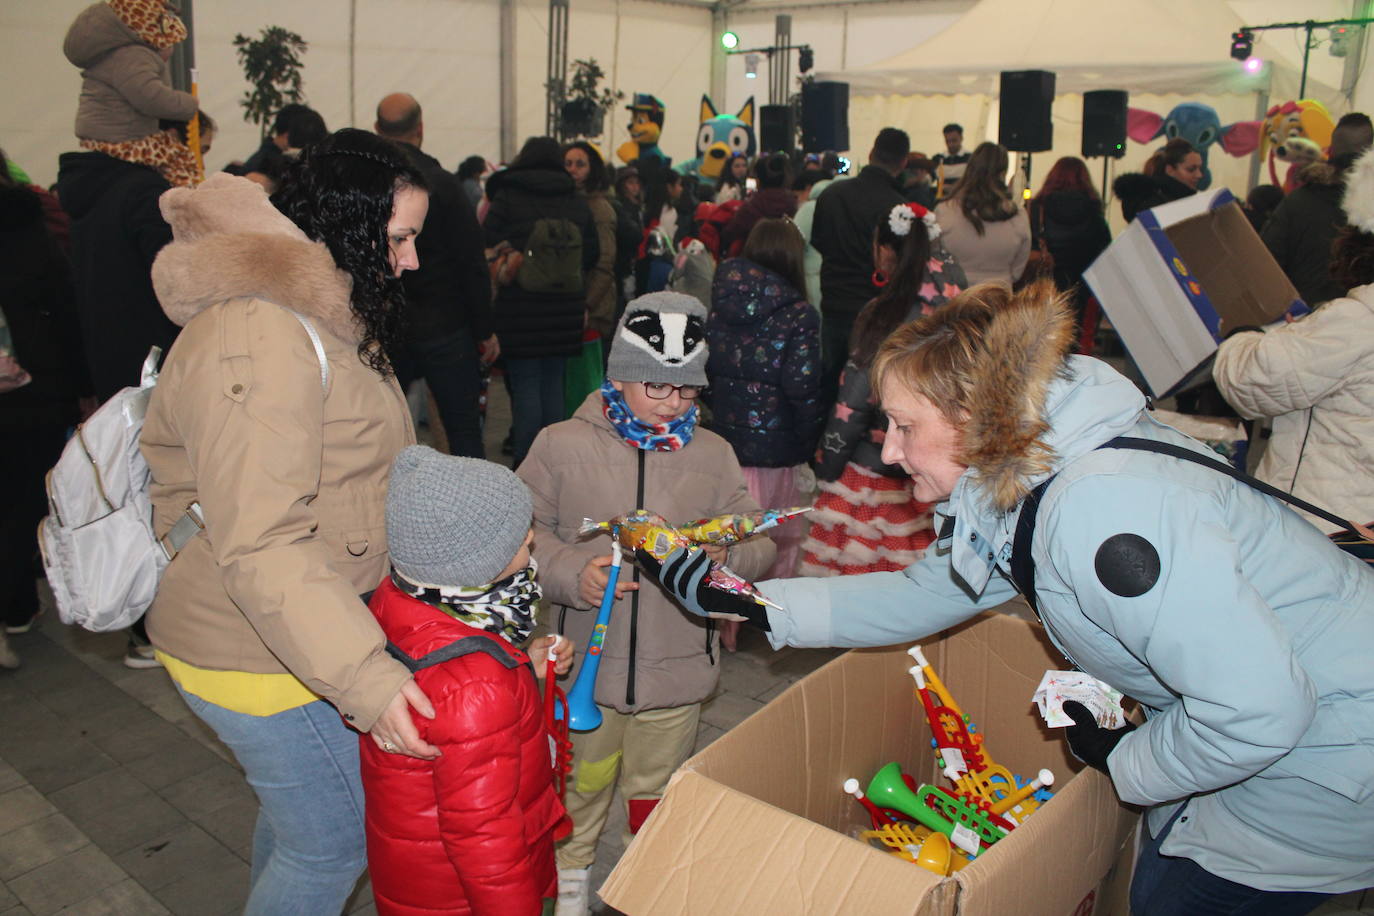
647,531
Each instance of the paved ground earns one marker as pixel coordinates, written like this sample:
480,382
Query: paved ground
114,799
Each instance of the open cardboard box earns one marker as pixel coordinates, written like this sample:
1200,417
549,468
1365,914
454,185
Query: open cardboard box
758,822
1181,274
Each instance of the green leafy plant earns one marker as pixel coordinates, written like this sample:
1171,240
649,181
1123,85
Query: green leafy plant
585,104
272,64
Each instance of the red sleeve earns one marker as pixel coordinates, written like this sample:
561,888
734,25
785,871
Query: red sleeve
477,782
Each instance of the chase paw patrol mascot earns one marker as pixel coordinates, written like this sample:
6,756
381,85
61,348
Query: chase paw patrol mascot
646,127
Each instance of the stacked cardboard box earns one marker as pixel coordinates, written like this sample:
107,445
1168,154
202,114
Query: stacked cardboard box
758,823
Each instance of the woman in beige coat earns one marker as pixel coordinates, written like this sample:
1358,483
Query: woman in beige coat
277,413
987,231
588,171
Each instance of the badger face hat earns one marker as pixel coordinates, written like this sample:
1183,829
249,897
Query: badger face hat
660,338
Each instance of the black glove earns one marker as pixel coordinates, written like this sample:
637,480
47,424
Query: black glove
683,574
1090,742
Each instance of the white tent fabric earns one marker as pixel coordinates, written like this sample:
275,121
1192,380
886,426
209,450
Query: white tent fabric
1159,47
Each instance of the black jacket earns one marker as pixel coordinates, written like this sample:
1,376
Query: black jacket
847,212
1141,192
532,325
1074,229
1300,232
117,231
36,296
452,288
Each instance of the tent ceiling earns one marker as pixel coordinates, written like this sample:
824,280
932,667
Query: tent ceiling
1159,46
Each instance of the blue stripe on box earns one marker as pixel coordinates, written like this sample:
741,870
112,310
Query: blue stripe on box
1199,301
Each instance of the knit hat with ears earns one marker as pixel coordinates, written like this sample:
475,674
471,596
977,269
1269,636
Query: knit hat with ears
660,338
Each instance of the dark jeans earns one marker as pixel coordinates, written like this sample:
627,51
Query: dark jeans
451,366
835,328
536,391
25,459
1171,886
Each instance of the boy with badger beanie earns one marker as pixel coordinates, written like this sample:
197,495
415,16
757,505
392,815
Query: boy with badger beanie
472,830
635,443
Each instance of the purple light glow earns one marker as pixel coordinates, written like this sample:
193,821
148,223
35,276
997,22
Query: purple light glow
1253,64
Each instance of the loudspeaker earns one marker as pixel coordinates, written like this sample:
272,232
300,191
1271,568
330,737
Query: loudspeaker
1104,123
825,117
1024,111
776,133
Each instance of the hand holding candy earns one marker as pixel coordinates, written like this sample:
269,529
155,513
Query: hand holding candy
686,575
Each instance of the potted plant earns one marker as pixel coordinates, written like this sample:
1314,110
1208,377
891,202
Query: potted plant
585,104
272,64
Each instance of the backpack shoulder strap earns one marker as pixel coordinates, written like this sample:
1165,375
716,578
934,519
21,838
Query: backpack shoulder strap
1022,566
467,645
319,348
1178,451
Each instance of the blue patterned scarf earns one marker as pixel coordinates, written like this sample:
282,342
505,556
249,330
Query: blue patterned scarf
651,437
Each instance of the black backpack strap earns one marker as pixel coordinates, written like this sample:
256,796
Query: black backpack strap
1178,451
456,649
1022,566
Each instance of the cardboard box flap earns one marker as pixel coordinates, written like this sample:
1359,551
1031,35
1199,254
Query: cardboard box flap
1244,284
708,849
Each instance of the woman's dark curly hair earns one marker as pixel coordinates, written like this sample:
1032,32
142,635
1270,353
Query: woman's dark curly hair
341,192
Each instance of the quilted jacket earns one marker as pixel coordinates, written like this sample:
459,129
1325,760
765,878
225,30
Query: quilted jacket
471,831
764,367
1315,377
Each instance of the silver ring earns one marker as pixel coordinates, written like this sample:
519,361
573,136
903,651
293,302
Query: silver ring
388,747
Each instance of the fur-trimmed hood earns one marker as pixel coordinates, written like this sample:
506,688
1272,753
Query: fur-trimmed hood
1036,410
230,242
1035,406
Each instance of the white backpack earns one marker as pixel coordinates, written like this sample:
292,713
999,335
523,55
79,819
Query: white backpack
100,554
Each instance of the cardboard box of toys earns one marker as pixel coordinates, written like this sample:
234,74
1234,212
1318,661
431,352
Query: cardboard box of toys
759,822
1178,276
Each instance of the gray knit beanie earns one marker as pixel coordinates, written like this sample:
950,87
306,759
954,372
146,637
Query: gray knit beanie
453,521
660,338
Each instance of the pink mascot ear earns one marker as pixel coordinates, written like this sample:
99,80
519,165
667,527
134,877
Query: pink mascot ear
1142,126
1241,138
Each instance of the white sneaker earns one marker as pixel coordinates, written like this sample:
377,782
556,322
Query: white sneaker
574,892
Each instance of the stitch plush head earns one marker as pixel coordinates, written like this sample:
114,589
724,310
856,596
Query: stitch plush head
1198,124
720,136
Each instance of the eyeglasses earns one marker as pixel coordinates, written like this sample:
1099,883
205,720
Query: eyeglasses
659,391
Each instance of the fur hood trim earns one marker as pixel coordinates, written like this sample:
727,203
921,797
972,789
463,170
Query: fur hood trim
1025,351
230,242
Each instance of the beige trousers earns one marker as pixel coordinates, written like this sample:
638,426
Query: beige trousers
635,751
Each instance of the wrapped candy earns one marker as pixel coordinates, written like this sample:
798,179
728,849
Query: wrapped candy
647,531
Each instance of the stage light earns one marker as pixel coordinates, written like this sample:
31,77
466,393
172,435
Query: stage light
751,66
729,41
806,59
1242,43
1253,64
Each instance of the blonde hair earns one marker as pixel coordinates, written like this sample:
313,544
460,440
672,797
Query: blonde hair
940,356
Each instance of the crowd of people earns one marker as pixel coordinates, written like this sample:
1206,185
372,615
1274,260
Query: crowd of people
908,347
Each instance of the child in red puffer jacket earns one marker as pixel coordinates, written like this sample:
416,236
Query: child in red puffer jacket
459,601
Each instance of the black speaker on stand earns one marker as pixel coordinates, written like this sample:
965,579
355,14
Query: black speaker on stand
1104,123
777,132
825,117
1024,124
